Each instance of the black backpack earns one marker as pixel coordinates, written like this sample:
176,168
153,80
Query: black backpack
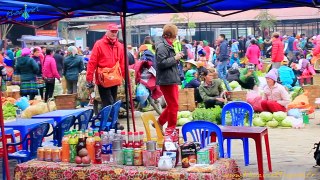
316,154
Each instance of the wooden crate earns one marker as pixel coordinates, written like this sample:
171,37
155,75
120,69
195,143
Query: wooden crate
237,96
316,79
314,92
186,100
66,101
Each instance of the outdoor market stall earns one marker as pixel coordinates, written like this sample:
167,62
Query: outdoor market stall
58,10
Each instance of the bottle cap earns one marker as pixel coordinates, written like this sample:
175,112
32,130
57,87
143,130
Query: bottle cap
123,133
141,132
129,133
136,133
90,134
118,131
96,134
113,130
65,133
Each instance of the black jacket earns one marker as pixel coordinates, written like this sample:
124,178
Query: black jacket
167,66
233,75
59,61
224,52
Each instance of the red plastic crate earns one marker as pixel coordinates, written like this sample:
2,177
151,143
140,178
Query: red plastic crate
11,149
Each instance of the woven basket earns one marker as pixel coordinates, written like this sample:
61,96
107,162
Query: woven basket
314,93
66,101
186,100
237,96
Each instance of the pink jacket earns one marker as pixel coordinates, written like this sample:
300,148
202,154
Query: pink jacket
253,54
49,68
277,93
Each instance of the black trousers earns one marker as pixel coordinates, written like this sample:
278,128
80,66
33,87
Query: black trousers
49,91
213,103
108,95
249,84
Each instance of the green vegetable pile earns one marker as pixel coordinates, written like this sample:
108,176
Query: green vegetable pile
296,92
272,120
184,117
260,74
211,115
9,111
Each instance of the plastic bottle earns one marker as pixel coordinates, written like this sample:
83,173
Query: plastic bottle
123,138
97,149
130,140
105,157
90,147
73,147
86,134
136,140
141,134
65,152
81,143
111,139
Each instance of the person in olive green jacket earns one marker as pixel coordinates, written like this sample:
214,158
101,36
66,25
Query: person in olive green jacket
211,90
248,77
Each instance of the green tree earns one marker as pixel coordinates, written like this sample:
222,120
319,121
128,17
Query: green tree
267,21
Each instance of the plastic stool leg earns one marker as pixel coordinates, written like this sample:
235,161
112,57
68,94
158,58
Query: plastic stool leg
266,139
259,157
229,148
246,151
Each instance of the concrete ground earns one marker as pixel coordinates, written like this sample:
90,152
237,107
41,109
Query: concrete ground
291,153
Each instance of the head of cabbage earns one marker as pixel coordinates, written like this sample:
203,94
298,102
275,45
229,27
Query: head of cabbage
272,123
266,116
279,116
258,122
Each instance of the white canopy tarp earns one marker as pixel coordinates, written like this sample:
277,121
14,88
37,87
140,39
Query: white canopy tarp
29,38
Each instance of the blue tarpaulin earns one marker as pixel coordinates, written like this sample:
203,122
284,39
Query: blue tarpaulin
12,10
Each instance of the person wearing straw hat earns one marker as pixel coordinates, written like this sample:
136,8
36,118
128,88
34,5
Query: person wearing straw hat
248,77
286,74
191,64
276,97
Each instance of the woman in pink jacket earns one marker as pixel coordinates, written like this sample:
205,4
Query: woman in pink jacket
253,53
50,73
276,97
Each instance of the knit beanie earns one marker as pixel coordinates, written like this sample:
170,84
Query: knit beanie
272,75
25,52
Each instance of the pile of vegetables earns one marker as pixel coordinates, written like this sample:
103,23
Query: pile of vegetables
211,115
260,74
184,117
234,85
273,120
9,110
296,92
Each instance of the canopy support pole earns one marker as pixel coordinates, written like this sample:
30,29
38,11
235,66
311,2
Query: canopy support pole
4,145
128,89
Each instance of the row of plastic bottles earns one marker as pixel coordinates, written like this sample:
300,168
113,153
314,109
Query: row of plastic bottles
99,149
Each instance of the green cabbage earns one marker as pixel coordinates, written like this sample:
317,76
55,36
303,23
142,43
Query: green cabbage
234,84
258,122
279,116
185,114
183,121
228,119
272,123
266,116
287,122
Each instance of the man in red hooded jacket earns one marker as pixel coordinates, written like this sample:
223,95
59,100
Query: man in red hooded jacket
277,51
105,54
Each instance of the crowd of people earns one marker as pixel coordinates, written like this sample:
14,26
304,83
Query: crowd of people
36,69
205,68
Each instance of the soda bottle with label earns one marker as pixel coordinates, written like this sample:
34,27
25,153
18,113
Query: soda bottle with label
97,149
130,140
105,157
90,147
123,138
73,147
81,142
136,140
65,152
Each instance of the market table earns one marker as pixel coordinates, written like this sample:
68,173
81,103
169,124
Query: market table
58,115
256,133
225,169
24,125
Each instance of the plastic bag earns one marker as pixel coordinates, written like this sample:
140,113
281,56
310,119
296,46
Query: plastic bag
57,88
142,94
254,98
295,113
23,103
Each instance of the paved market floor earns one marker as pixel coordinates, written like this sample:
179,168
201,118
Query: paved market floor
291,153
